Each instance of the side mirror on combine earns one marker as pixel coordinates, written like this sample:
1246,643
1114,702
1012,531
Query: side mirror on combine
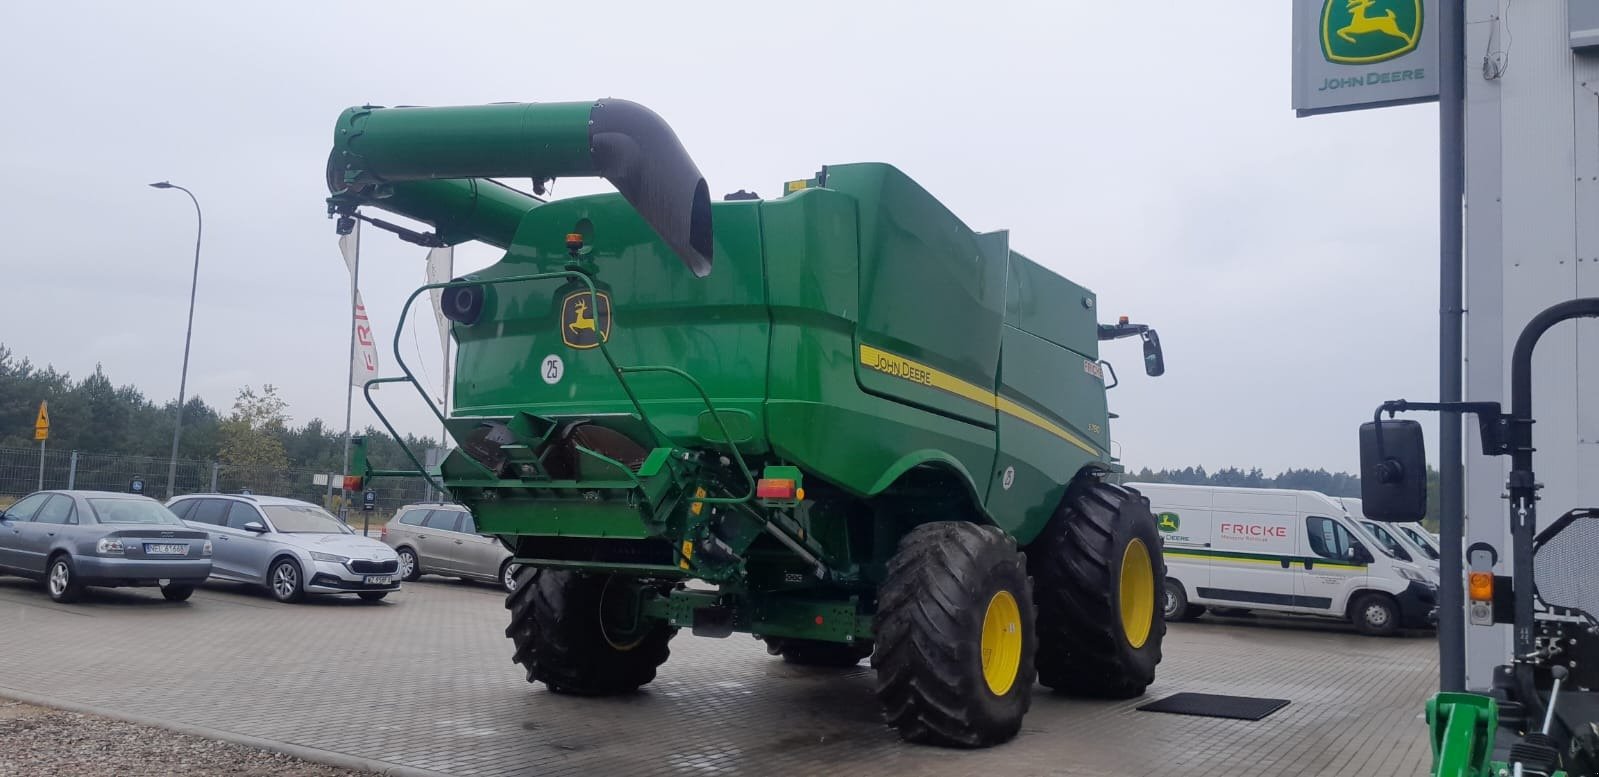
1154,358
1393,471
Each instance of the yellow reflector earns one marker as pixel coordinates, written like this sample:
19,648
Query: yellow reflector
688,553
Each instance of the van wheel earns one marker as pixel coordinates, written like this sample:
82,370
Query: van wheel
1176,606
1375,614
1096,571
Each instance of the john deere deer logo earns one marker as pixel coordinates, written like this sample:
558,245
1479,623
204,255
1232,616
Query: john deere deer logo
1168,522
1355,32
585,319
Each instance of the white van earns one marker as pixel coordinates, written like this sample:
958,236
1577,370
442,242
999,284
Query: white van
1422,540
1282,550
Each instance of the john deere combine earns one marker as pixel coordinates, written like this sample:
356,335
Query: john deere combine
864,428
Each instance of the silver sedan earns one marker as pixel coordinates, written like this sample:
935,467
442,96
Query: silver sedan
75,539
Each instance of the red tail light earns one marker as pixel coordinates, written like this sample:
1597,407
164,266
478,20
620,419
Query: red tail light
774,488
383,533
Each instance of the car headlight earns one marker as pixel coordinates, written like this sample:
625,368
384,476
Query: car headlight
205,550
328,557
109,546
1414,576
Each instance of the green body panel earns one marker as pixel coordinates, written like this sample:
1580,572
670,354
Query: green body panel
855,336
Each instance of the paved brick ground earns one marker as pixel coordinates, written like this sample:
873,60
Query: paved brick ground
425,680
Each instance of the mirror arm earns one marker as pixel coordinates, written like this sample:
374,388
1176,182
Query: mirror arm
1492,422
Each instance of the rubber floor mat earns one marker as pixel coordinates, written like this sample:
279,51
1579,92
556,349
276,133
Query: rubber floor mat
1213,706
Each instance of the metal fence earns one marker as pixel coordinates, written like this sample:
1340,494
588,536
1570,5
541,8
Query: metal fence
24,470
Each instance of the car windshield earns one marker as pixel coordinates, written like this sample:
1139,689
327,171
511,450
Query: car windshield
132,511
303,519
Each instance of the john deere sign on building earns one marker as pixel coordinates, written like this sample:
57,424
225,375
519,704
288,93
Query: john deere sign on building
1353,54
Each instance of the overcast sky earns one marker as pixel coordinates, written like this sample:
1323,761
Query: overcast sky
1151,154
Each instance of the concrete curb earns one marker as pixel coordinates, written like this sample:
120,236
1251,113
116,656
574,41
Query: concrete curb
327,757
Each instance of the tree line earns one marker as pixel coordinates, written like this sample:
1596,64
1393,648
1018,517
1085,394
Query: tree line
95,415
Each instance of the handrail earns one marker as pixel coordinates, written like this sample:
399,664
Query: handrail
366,391
749,479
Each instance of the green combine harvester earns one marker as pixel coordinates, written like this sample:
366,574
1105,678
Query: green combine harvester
868,431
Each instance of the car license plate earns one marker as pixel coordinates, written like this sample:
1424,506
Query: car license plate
165,550
379,579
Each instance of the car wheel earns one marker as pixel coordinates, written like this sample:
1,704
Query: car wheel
410,570
284,581
1376,615
177,593
508,576
372,596
62,580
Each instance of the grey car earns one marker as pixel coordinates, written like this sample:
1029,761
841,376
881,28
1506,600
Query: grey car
292,548
442,539
75,539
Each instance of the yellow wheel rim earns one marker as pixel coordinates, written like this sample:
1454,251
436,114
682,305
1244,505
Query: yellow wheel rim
1137,593
1002,643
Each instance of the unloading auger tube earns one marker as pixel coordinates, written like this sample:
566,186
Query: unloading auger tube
433,165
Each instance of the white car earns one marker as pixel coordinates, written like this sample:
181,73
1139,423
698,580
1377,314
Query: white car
293,548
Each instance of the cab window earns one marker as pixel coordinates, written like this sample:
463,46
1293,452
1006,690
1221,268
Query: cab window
58,510
24,510
1328,538
443,520
212,511
240,514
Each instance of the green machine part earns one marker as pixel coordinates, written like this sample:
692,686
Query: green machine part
860,366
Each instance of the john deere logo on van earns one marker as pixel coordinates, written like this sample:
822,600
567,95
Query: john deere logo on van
1358,32
1169,522
585,319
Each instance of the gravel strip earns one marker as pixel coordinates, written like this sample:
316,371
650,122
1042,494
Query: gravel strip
40,741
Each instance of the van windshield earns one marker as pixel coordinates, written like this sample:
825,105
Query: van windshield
1391,547
1421,543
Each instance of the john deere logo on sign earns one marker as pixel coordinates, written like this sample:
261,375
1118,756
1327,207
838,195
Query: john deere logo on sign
585,319
1169,522
1356,32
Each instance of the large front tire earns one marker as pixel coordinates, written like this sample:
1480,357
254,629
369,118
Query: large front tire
562,641
1098,573
954,634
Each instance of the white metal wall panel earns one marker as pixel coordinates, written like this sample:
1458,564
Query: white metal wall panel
1547,125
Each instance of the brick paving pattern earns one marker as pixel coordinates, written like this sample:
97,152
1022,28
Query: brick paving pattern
425,680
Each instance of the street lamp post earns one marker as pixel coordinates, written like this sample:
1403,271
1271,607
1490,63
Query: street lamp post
188,334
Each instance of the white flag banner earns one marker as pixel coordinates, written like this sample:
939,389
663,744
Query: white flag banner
441,266
364,356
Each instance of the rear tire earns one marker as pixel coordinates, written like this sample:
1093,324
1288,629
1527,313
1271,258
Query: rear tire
410,569
954,634
1095,568
61,580
1375,615
177,593
561,639
810,652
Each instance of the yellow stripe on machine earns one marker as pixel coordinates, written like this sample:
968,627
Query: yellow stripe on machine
900,367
